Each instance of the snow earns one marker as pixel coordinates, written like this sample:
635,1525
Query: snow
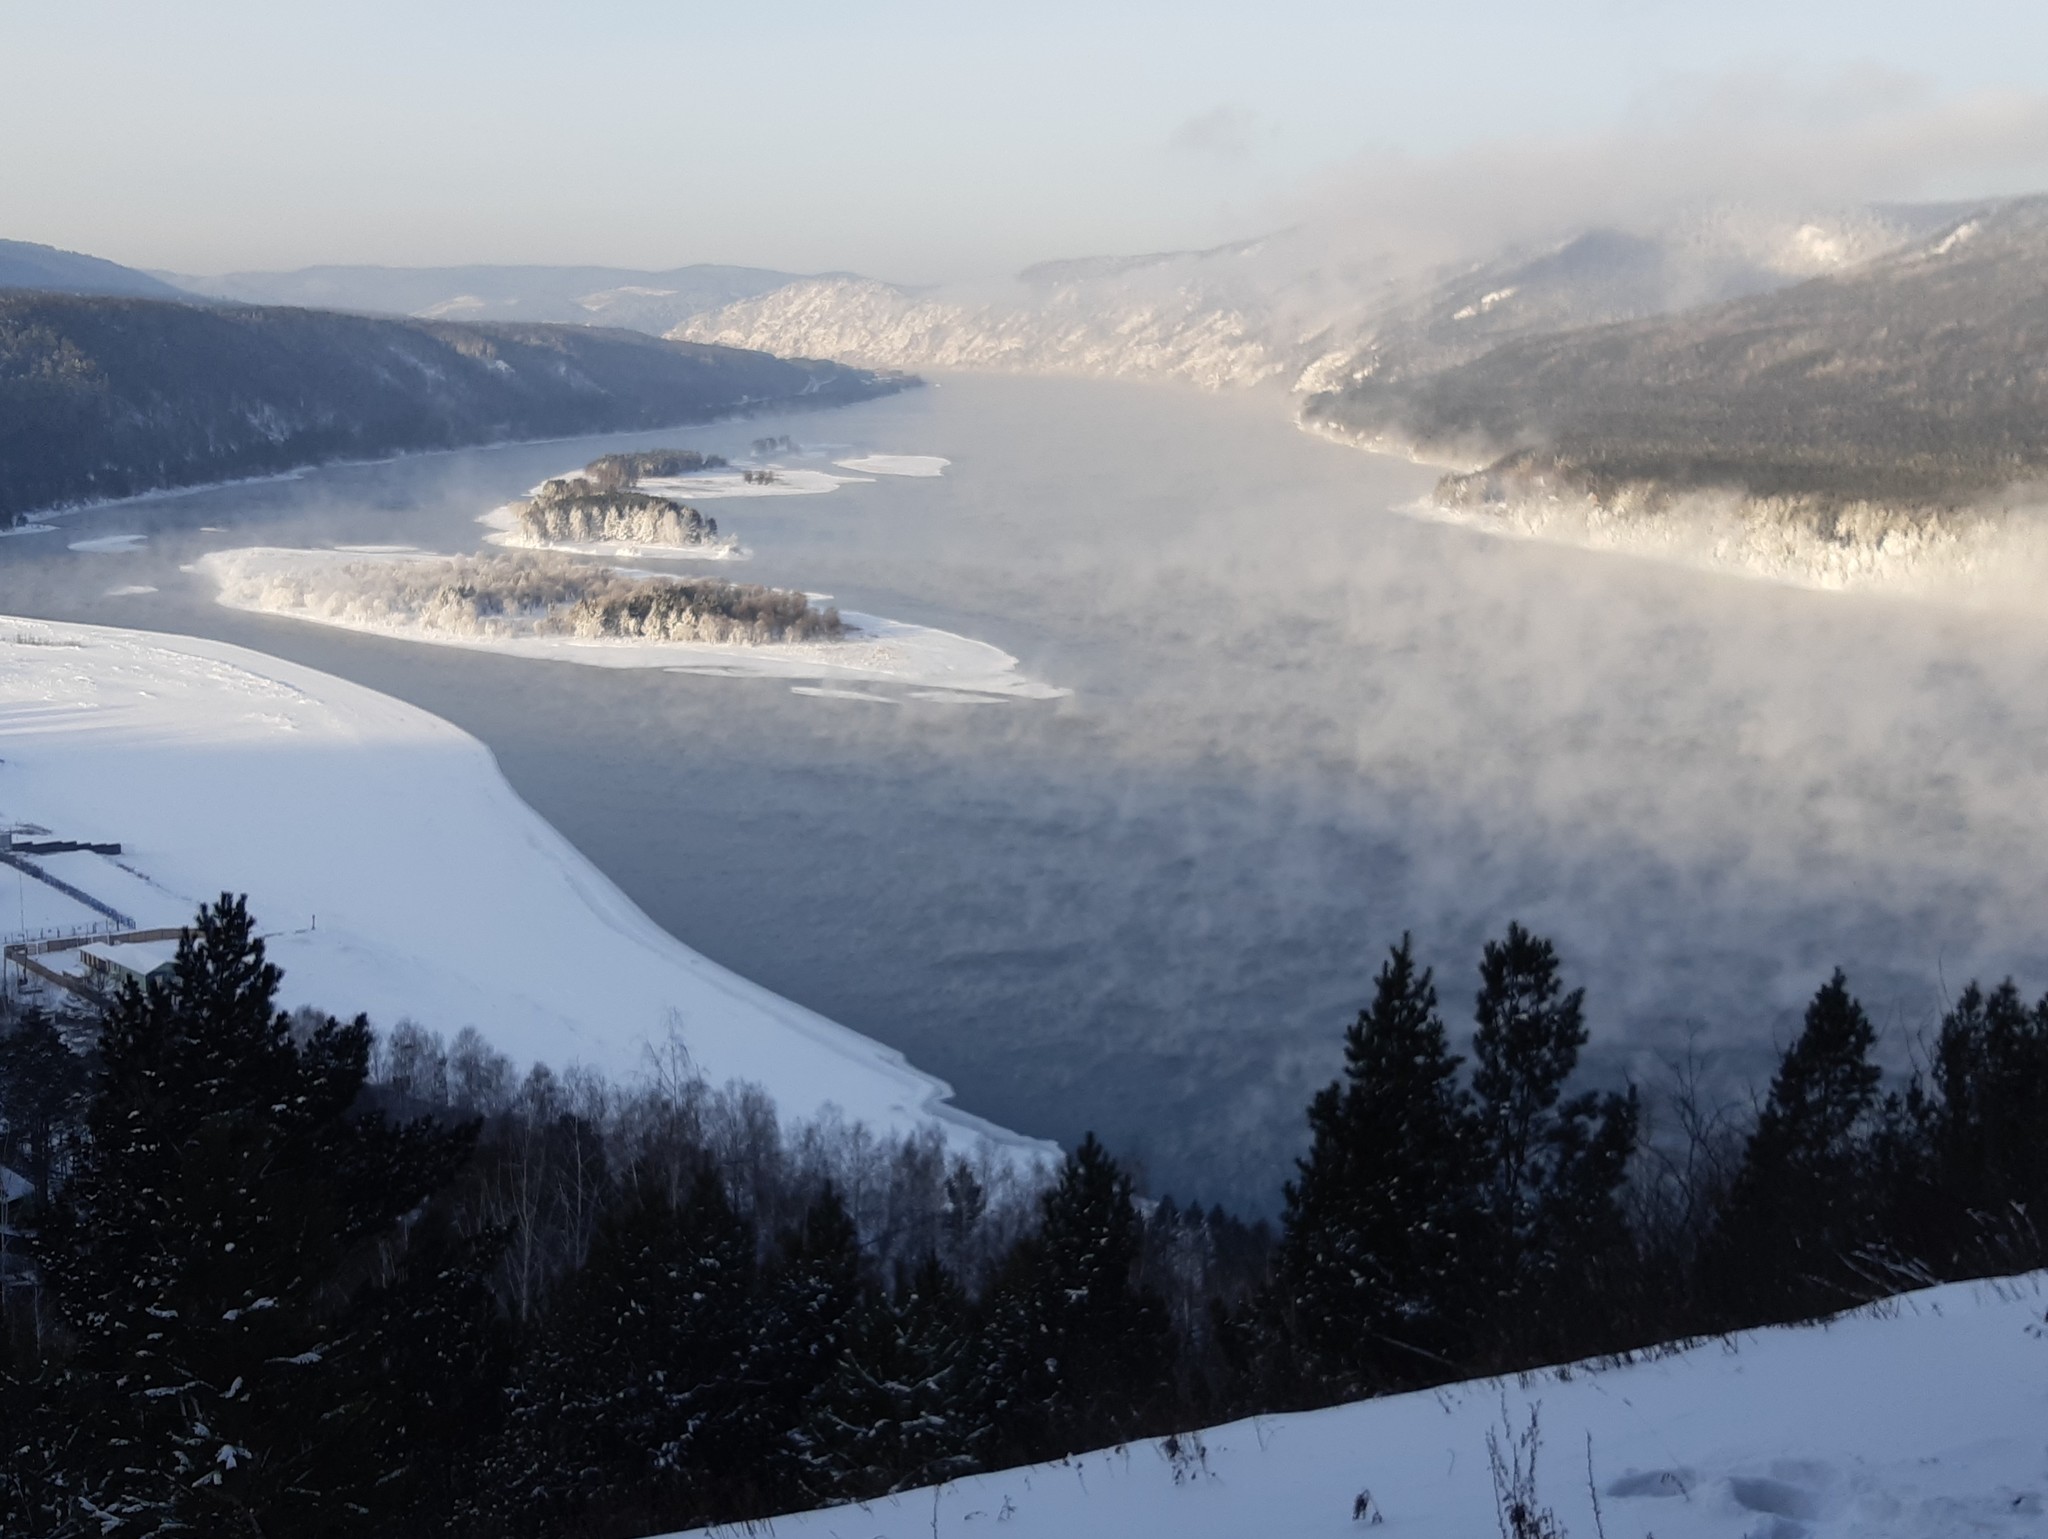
142,956
394,870
897,464
787,483
838,692
130,590
111,544
268,580
1925,1417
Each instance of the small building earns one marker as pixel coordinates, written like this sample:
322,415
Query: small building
111,965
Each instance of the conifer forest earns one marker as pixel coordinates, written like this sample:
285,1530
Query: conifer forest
271,1273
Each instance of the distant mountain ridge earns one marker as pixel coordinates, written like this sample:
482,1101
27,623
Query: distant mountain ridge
26,265
1297,308
105,397
640,300
1921,374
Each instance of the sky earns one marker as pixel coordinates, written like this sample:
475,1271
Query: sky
922,141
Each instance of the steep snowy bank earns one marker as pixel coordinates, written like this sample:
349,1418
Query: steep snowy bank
1921,1418
398,871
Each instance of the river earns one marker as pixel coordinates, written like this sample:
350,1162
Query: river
1301,722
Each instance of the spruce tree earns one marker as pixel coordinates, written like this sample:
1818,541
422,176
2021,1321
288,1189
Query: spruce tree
212,1258
896,1413
1074,1351
1990,1127
806,1319
1371,1282
1801,1202
632,1410
1551,1168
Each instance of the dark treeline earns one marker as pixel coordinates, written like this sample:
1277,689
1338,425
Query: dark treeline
269,1274
616,472
110,397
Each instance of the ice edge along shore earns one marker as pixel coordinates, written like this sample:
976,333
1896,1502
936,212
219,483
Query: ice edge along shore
396,870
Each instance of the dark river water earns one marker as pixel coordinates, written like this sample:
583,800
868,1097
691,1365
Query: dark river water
1300,724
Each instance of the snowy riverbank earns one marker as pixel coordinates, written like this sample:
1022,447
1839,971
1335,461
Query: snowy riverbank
1918,1418
399,873
284,582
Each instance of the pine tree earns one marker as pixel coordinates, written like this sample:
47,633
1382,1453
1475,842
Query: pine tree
210,1257
1371,1280
896,1413
1551,1168
1074,1351
1801,1201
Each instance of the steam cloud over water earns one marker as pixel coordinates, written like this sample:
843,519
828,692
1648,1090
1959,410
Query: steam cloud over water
1302,723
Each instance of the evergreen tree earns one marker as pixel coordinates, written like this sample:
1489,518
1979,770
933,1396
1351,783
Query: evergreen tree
212,1258
1990,1126
1551,1168
1371,1281
807,1318
33,1495
42,1094
631,1410
442,1356
1074,1350
896,1413
1801,1202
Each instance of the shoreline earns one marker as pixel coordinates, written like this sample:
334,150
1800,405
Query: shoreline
797,403
398,873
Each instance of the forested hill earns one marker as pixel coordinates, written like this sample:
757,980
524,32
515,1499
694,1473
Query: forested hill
26,265
1920,378
107,397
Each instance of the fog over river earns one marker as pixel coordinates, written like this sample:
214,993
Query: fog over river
1300,723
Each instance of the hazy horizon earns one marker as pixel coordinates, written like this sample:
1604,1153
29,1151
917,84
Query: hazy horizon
917,143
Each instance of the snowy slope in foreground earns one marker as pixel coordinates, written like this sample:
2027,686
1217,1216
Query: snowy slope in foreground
1923,1418
438,893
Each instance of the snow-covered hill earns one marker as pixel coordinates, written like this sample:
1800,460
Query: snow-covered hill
1306,307
1925,1417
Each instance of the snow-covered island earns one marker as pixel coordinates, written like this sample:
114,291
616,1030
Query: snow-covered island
924,466
574,516
546,606
396,871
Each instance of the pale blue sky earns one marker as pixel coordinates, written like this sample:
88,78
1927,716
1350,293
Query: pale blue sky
924,141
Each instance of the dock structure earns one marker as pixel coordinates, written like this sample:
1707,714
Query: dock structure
109,962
